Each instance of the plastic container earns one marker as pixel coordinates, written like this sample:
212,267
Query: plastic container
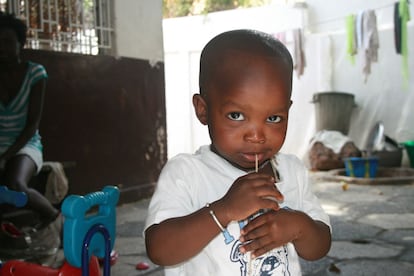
409,146
333,110
361,166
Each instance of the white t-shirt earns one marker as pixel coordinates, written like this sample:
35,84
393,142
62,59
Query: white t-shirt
189,181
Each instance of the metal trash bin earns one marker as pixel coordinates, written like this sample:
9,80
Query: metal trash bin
333,110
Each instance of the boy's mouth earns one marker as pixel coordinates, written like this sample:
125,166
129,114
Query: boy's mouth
250,157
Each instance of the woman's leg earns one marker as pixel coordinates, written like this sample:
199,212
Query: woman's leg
18,172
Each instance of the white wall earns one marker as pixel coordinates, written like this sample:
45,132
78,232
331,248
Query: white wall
383,97
138,29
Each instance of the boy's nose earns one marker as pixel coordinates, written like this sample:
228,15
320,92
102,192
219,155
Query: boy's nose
255,135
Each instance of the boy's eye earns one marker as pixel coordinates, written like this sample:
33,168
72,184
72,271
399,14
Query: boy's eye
235,116
274,119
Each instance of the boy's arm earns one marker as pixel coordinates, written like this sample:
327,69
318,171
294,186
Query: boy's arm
314,237
178,239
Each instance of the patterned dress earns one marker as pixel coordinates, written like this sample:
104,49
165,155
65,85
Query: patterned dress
13,116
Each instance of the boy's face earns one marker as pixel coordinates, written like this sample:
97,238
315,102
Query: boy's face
246,108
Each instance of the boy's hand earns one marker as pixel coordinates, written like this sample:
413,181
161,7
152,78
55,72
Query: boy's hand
247,195
272,229
311,238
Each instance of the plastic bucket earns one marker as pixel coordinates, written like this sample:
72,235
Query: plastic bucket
409,146
333,111
361,167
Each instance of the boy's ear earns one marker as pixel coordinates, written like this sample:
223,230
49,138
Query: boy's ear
200,107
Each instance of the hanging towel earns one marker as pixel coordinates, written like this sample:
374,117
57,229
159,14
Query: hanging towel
397,28
350,38
404,13
370,40
299,55
57,183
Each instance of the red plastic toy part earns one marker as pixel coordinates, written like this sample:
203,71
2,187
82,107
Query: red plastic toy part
20,268
142,266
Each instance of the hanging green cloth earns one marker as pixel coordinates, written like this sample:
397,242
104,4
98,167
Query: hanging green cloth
350,38
404,12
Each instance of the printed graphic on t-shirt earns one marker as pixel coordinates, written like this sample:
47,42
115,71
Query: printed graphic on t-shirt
274,262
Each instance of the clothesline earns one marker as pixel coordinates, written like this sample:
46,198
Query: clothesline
367,23
339,18
342,18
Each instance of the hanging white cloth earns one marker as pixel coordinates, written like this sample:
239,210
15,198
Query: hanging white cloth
358,29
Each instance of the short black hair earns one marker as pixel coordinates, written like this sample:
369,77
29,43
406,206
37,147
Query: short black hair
10,21
245,40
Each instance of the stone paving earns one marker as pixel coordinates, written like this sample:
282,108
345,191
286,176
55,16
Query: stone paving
373,231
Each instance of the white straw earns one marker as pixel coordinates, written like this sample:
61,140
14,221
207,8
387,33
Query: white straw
249,254
257,164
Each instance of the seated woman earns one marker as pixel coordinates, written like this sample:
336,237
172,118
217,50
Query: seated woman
22,89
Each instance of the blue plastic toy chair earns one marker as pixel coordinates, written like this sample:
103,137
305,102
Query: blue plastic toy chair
82,223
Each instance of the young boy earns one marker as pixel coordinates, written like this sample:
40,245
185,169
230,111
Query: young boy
238,206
